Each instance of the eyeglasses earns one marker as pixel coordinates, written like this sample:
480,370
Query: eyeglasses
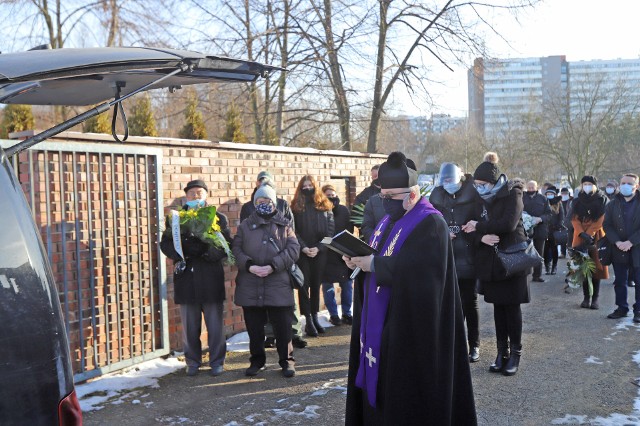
390,196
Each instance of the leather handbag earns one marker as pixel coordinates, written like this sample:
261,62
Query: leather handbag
561,236
518,258
296,276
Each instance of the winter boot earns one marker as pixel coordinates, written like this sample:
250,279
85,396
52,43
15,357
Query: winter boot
316,323
501,359
586,302
547,269
310,328
514,361
596,293
554,269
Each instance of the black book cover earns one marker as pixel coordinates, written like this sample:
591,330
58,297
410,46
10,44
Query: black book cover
347,244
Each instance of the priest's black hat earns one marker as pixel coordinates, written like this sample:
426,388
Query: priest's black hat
198,183
394,172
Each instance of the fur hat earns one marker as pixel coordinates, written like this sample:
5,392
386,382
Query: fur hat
394,172
198,183
589,178
265,191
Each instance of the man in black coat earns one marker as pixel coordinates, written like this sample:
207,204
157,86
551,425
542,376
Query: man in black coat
622,229
265,177
456,198
410,289
199,287
536,205
566,199
370,190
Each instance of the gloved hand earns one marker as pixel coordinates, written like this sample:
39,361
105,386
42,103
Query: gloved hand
193,247
588,239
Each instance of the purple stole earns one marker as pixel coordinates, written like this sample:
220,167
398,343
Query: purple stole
377,297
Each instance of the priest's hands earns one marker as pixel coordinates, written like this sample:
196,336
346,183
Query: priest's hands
363,262
349,263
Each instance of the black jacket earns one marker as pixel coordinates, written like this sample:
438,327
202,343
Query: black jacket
373,213
203,279
336,271
556,219
502,217
538,206
458,209
366,193
615,229
312,226
281,204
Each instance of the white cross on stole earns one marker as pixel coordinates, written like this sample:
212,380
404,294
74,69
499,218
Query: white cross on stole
370,357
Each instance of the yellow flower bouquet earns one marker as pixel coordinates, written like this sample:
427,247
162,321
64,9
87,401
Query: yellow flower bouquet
203,224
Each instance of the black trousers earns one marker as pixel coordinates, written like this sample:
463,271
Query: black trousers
508,321
469,299
309,295
538,243
551,251
255,318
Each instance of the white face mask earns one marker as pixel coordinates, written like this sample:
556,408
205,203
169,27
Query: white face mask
565,198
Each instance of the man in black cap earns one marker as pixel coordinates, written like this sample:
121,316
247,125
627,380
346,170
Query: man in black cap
537,205
266,178
409,289
199,286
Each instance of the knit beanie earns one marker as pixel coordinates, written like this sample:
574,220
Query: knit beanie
488,172
394,172
589,178
552,189
265,191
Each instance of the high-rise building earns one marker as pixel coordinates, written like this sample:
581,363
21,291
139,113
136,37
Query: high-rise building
501,90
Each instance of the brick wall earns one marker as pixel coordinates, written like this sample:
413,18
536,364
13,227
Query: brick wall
230,171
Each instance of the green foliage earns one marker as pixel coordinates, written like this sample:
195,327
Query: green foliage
194,127
16,118
357,214
233,126
98,124
142,122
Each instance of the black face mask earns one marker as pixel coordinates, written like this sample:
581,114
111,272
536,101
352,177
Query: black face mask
308,192
375,182
393,208
335,201
531,192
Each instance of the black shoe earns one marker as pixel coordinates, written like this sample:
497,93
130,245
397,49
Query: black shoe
316,323
309,328
253,370
514,361
298,342
335,320
594,303
636,317
288,371
474,354
347,319
501,359
586,302
538,279
620,313
553,270
216,370
192,371
270,342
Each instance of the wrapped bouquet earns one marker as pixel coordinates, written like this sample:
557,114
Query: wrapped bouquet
529,224
581,268
203,224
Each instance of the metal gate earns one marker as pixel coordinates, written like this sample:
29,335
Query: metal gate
99,207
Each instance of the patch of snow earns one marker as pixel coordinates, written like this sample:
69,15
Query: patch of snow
593,360
135,401
570,419
309,412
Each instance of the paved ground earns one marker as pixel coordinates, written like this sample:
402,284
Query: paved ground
577,365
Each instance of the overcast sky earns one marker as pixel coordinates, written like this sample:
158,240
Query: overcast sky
579,29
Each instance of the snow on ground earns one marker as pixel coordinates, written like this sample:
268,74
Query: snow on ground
624,324
114,388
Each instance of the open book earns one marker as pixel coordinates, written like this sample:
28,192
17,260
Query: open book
347,244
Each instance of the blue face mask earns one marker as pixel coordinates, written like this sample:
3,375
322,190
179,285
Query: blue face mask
452,188
265,209
483,189
609,190
626,189
195,204
393,208
550,197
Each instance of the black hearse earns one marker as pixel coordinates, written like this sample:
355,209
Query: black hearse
36,380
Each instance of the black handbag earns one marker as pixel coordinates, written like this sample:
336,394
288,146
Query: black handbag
296,277
561,236
605,249
518,258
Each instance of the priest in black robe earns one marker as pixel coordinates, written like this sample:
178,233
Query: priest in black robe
408,362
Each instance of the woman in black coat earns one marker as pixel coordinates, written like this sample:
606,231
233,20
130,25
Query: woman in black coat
555,224
336,271
313,221
457,199
500,226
